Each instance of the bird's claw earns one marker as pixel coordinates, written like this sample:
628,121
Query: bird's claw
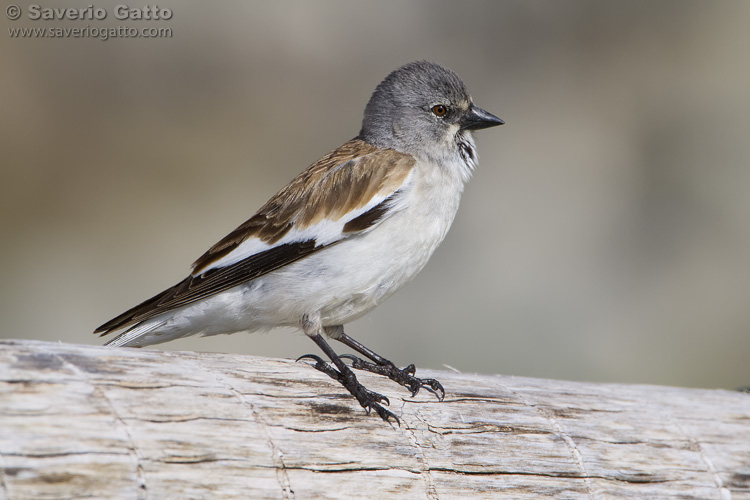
404,376
369,400
315,358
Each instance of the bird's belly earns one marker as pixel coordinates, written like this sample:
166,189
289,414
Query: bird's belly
376,267
350,278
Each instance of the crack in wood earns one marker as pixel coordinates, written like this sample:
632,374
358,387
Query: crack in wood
178,420
3,480
430,488
566,438
277,455
176,459
724,493
563,475
484,429
300,429
65,454
142,489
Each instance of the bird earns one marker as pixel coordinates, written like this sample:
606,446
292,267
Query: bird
339,239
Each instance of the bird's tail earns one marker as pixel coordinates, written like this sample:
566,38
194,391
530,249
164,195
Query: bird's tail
138,335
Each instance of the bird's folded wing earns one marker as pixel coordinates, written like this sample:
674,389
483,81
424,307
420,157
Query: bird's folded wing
346,193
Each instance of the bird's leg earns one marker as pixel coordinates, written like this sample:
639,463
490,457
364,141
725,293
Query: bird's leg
345,376
385,367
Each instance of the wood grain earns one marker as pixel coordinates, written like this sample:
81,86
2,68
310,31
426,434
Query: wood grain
91,422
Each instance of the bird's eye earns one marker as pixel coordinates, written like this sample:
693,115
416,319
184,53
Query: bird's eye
440,109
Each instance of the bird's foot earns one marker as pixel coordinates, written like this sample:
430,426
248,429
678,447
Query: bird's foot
404,377
369,400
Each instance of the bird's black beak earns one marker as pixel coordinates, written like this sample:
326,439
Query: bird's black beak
477,118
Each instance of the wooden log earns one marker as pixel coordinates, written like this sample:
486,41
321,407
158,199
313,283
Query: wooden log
81,421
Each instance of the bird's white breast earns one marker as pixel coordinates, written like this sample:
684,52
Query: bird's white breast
362,271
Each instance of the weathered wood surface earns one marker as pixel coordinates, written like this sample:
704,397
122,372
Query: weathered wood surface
92,422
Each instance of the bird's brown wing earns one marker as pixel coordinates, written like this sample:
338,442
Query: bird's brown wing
354,186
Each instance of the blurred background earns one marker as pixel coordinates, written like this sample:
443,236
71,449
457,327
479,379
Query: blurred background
604,237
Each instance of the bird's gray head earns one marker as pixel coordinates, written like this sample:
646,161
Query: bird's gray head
425,110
